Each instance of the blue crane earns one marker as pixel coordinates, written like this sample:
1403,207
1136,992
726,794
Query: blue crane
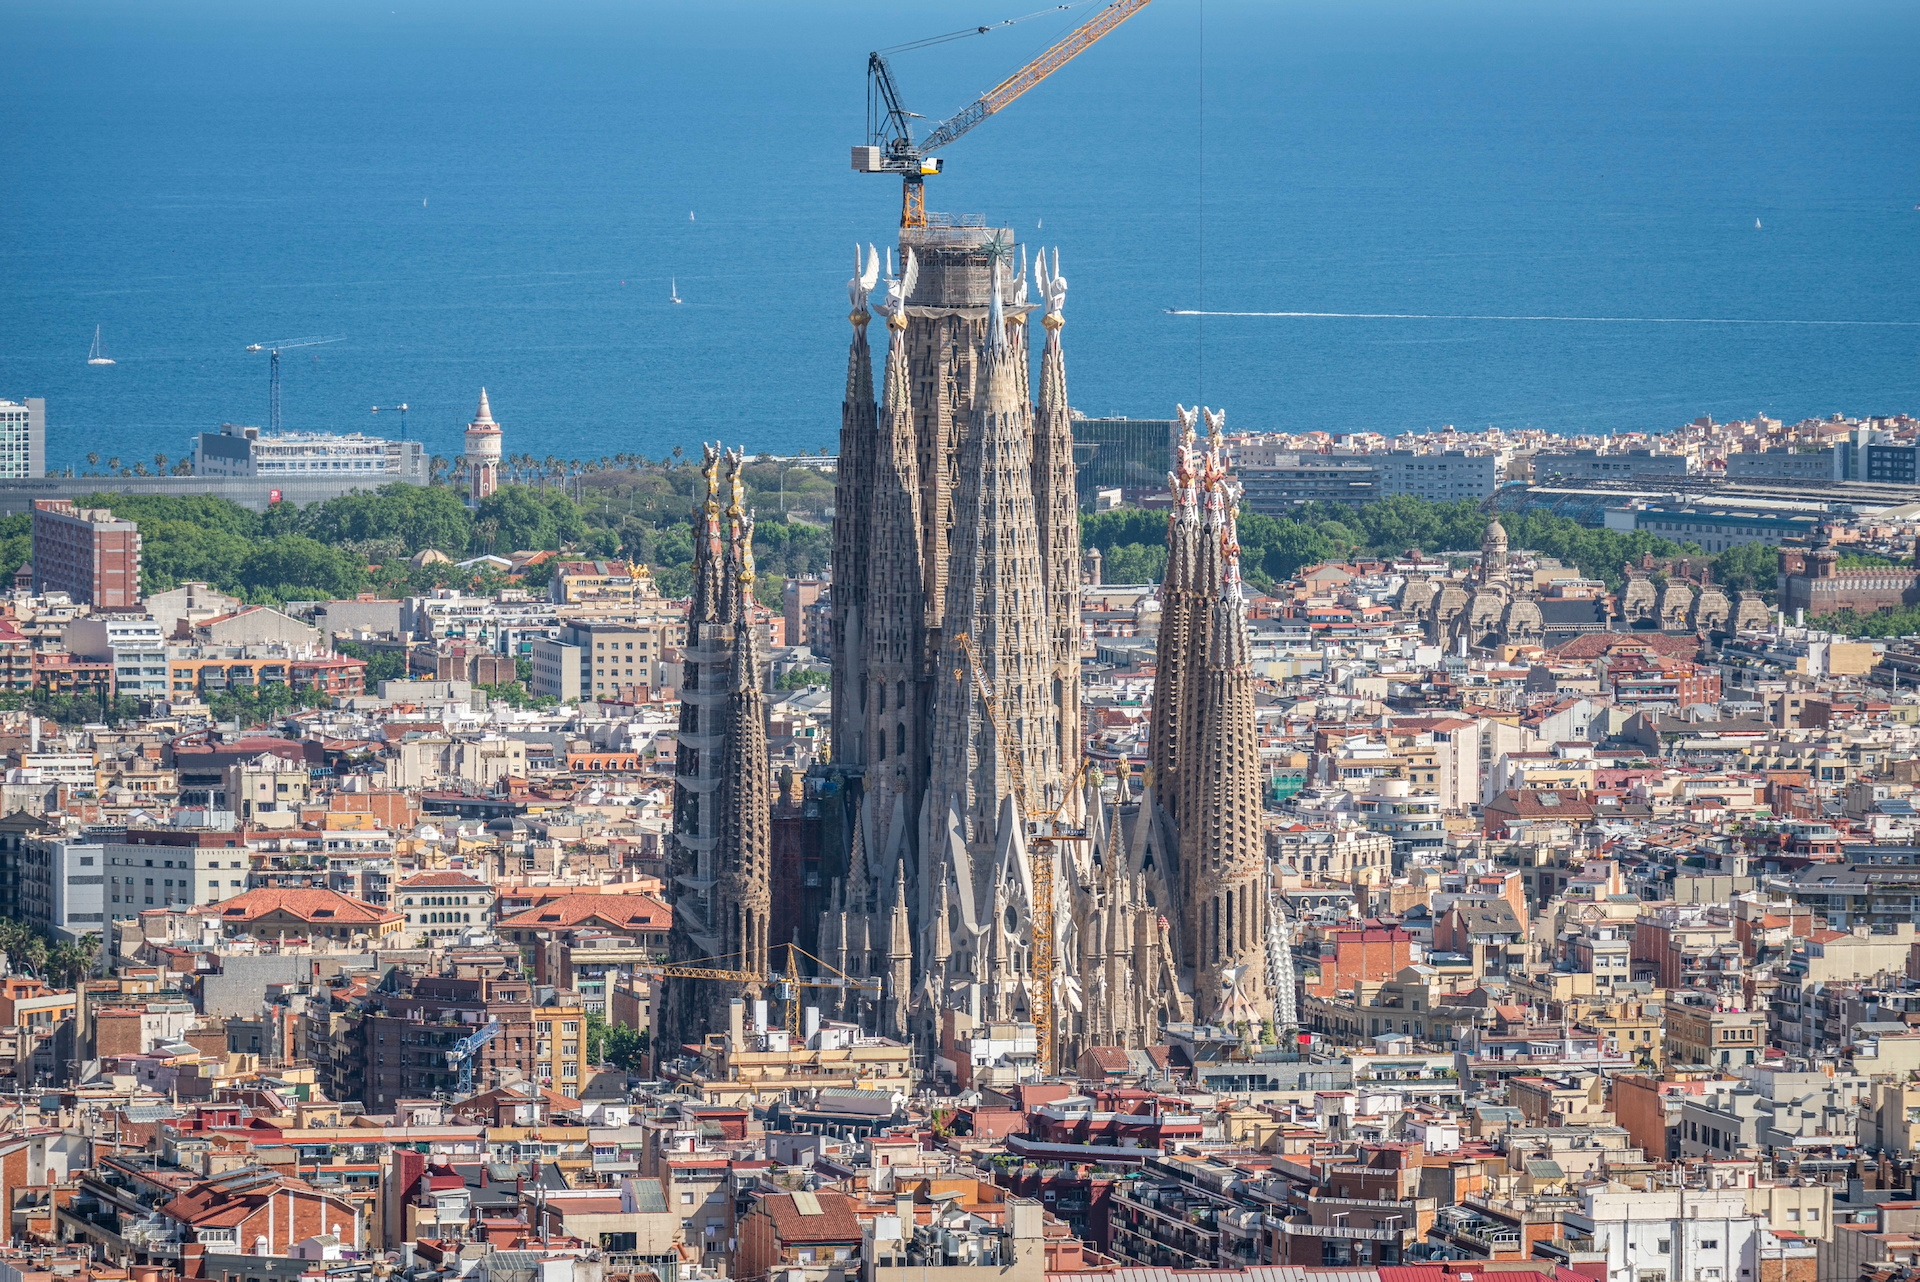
463,1053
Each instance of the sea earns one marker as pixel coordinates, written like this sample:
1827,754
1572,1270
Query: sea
1590,215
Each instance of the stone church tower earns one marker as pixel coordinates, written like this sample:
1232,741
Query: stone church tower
956,577
723,791
1205,751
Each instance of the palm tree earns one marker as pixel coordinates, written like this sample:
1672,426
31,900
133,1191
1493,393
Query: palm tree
160,462
139,469
93,460
113,465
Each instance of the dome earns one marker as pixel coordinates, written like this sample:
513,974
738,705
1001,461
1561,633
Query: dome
1496,535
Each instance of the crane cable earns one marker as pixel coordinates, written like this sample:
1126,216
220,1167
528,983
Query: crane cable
966,32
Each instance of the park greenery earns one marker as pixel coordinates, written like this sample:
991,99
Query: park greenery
1132,542
1885,623
365,542
635,509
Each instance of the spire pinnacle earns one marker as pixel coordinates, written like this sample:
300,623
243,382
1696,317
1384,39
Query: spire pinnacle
996,313
484,418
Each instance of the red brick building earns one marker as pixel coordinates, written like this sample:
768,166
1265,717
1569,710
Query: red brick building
798,1230
1366,954
88,553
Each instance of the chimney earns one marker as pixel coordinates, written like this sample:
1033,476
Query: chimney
737,1023
760,1015
811,1022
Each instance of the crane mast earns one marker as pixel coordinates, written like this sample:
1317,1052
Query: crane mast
273,351
890,147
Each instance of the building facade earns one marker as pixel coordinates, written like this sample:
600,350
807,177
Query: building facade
236,451
23,437
133,643
88,553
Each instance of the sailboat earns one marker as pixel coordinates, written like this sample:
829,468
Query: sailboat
1756,224
97,356
673,286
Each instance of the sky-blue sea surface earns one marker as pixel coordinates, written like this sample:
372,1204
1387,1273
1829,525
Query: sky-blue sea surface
486,193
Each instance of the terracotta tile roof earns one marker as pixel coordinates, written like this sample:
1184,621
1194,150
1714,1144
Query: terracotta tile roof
316,907
824,1216
443,881
621,912
1595,644
1536,803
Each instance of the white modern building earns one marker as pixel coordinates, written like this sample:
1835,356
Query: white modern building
246,451
1674,1235
1440,476
62,886
23,438
176,868
1411,819
134,643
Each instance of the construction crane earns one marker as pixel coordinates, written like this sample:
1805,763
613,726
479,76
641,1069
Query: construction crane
273,351
462,1054
1043,828
890,147
400,409
790,983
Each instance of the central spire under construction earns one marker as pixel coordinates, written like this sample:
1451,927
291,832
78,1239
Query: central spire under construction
956,691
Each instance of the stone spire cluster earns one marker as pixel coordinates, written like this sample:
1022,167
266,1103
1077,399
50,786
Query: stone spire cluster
723,788
956,598
1205,752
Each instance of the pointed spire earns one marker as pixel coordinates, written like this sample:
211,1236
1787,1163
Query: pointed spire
484,417
1172,649
996,314
709,549
852,525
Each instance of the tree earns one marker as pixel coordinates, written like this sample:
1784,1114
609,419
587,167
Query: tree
1754,568
382,665
530,519
616,1044
296,566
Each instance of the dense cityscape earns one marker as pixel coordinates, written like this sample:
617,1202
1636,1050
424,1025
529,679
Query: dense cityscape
1010,845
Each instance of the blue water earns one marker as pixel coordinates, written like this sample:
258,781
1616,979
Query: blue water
198,177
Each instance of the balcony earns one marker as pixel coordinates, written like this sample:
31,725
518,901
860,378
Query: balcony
1342,1232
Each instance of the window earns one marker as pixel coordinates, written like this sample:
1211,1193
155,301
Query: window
1710,1244
1665,1247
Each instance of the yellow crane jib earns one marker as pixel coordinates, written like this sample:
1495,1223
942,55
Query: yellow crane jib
790,982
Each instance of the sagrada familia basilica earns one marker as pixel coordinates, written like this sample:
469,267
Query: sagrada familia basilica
984,873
